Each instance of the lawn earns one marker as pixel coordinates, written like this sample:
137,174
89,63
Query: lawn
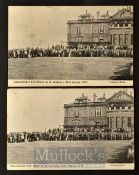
73,68
23,153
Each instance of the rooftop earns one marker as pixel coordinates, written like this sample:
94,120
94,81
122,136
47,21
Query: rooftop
124,13
121,96
82,99
86,16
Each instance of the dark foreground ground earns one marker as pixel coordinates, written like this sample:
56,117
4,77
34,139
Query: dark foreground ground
23,153
73,68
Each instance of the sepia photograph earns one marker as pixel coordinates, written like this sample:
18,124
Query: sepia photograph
70,45
70,128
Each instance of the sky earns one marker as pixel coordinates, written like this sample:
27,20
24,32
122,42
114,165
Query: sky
43,26
41,109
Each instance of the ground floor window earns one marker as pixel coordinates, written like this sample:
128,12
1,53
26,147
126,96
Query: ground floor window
129,122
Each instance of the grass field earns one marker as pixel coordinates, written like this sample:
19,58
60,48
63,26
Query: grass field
74,68
23,153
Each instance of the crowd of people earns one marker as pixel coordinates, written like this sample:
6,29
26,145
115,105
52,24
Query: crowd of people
67,134
83,51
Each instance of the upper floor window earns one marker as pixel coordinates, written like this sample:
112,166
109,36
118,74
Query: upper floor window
98,112
121,25
101,29
115,25
76,113
117,107
78,30
132,24
129,122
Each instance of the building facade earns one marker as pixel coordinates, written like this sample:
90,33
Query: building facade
114,112
105,29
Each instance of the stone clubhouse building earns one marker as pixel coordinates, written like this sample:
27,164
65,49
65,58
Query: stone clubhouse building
114,112
116,30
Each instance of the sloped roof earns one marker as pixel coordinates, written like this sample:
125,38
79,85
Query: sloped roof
123,14
118,93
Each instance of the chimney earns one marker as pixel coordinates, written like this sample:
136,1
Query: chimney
94,97
107,12
82,94
129,8
104,95
130,93
86,11
98,15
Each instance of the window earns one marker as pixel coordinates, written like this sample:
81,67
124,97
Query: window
118,122
120,39
129,122
121,24
115,25
111,38
98,112
126,24
131,24
101,39
112,122
78,30
76,113
123,121
112,106
120,97
129,107
114,39
123,107
117,107
108,121
126,39
131,39
101,29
